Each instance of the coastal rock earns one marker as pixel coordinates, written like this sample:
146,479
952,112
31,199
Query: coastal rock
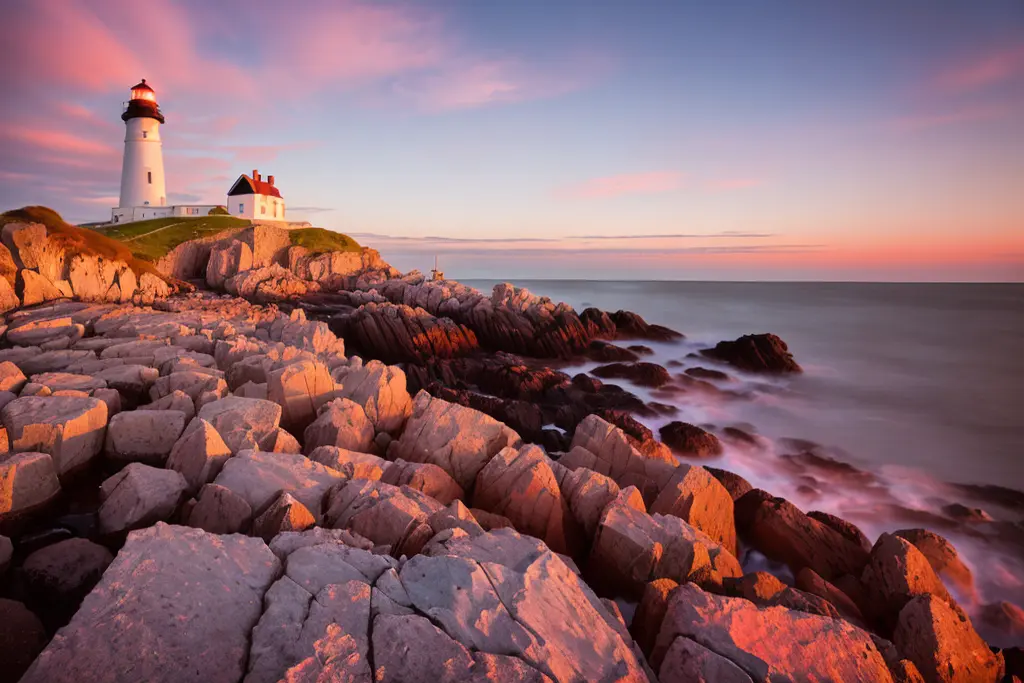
226,261
734,628
219,510
60,381
260,478
896,573
8,296
28,482
688,662
284,514
381,390
194,383
146,436
426,478
639,372
458,440
6,552
848,529
943,558
177,401
69,428
352,464
696,497
650,613
61,575
942,643
161,574
764,590
397,517
629,324
587,494
341,423
131,380
243,423
736,485
198,454
138,496
301,389
35,288
755,353
691,440
22,638
11,377
779,530
519,485
809,582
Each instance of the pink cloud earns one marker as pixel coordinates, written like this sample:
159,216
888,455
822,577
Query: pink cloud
651,182
989,69
57,141
967,114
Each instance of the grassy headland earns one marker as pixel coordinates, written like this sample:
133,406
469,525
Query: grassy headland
319,240
152,239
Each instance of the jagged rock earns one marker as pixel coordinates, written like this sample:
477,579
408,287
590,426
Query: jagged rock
161,575
177,400
69,428
352,464
198,454
896,573
6,552
650,613
943,558
458,440
755,353
281,441
632,548
686,661
220,511
8,297
22,638
385,514
848,529
138,496
943,644
777,528
1005,618
132,381
629,324
401,333
519,485
301,389
764,590
455,516
809,582
145,436
260,478
639,372
243,423
61,575
191,382
341,423
11,377
28,482
47,333
426,478
736,485
696,497
604,448
227,260
588,494
284,514
59,381
688,439
801,647
381,390
35,288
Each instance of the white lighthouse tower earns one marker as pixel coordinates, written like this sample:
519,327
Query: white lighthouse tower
143,189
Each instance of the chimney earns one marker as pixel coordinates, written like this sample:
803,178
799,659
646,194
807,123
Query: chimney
270,179
255,175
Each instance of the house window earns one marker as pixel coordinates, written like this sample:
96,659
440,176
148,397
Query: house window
263,208
149,177
241,208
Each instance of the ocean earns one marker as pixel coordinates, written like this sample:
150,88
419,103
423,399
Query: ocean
917,386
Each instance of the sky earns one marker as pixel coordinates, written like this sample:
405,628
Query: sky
601,139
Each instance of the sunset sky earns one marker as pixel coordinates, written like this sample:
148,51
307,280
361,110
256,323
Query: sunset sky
871,140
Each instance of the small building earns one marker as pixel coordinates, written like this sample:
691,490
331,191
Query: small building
256,199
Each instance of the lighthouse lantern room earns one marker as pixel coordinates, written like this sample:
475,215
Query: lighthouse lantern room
142,171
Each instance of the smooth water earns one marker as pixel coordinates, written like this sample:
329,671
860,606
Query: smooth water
917,384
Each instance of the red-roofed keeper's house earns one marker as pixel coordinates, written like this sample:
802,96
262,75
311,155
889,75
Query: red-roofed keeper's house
254,198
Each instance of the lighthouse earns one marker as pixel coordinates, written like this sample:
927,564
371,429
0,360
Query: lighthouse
142,171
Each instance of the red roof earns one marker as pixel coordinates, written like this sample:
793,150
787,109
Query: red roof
255,187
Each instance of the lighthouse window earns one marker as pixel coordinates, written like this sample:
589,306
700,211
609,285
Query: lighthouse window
149,177
145,134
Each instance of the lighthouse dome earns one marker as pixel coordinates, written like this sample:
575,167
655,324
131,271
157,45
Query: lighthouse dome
142,91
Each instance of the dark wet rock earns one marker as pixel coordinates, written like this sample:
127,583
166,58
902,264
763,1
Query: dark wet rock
641,349
783,533
736,485
691,440
675,363
395,334
1014,658
765,590
22,638
599,325
586,383
1005,620
604,352
992,494
755,353
705,373
741,436
962,513
59,576
816,463
848,529
524,417
629,324
809,582
626,423
640,372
